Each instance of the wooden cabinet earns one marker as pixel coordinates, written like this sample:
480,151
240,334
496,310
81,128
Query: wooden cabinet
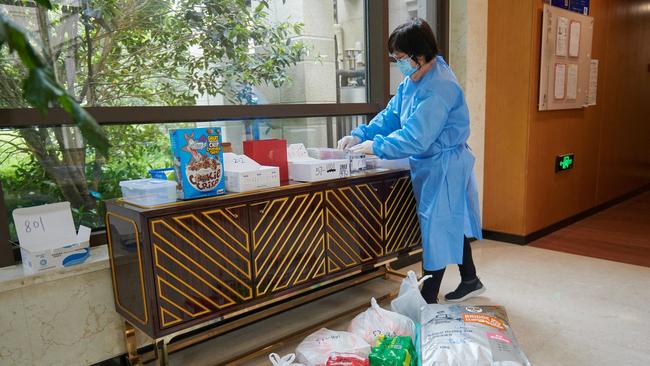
401,220
288,241
201,262
354,223
178,265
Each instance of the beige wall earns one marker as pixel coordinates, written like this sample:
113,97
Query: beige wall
468,57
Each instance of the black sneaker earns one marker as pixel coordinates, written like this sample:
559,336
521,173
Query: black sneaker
465,291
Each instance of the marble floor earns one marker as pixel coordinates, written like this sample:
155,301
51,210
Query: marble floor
565,309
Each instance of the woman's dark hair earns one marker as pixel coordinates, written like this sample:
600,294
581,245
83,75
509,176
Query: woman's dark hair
414,38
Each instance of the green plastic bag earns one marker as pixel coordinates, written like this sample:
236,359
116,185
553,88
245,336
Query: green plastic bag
393,351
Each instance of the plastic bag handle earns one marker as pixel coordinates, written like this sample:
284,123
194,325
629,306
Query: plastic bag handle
424,278
287,360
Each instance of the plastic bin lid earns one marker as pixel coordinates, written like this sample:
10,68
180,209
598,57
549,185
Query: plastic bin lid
147,183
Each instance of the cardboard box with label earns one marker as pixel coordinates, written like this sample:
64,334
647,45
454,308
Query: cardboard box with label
303,168
245,174
48,238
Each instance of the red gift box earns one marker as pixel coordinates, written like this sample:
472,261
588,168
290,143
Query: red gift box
271,152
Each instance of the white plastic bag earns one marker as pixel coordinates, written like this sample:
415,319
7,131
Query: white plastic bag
468,335
376,321
410,300
317,347
287,360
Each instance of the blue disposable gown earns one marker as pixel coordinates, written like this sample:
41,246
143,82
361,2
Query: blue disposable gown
428,121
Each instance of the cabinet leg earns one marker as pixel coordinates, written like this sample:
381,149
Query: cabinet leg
131,345
162,358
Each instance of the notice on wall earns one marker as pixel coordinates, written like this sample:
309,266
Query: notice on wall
572,82
560,80
593,82
574,39
562,36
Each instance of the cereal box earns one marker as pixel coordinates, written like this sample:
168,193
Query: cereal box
198,161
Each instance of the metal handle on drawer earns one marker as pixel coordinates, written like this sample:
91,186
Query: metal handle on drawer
391,187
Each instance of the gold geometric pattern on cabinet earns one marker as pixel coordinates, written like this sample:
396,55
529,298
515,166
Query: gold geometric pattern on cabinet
402,226
353,219
202,262
288,241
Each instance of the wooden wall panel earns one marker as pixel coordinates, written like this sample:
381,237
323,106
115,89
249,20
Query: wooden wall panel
551,196
625,131
507,114
611,140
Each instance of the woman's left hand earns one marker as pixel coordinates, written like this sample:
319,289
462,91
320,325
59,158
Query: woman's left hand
364,148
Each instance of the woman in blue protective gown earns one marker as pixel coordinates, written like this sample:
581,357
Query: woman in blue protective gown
428,121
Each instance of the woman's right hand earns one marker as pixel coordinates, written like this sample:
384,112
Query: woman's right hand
347,142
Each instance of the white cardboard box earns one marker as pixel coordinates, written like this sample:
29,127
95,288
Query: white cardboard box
303,168
244,174
48,239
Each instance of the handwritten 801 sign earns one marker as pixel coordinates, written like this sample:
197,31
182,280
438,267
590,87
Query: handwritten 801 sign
36,224
45,225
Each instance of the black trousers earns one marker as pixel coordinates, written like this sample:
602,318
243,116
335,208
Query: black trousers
431,287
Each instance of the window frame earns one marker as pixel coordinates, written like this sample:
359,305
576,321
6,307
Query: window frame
377,97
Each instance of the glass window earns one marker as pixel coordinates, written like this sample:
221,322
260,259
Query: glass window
196,52
46,165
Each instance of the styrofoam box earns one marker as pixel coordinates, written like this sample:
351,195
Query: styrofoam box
148,191
317,170
263,177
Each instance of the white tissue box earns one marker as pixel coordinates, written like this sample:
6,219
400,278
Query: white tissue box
244,174
48,239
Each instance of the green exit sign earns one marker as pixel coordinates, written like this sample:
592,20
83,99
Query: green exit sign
564,162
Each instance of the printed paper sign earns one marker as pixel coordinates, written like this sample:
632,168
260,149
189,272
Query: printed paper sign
561,42
572,82
574,39
593,82
560,80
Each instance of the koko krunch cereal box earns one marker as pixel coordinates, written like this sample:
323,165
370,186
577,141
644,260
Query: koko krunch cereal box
198,162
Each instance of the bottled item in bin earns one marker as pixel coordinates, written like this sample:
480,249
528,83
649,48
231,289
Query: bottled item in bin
347,359
198,161
393,351
357,162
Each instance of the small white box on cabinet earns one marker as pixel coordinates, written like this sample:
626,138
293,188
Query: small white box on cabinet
244,174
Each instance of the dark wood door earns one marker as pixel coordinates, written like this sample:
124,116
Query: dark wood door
402,227
354,225
202,263
288,242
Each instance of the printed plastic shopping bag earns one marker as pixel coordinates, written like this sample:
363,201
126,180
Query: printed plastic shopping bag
409,301
376,321
317,347
455,335
347,359
287,360
393,351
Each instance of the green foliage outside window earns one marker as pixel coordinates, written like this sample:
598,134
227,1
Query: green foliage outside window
132,53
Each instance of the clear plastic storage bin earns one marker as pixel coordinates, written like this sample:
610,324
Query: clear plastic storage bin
149,191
